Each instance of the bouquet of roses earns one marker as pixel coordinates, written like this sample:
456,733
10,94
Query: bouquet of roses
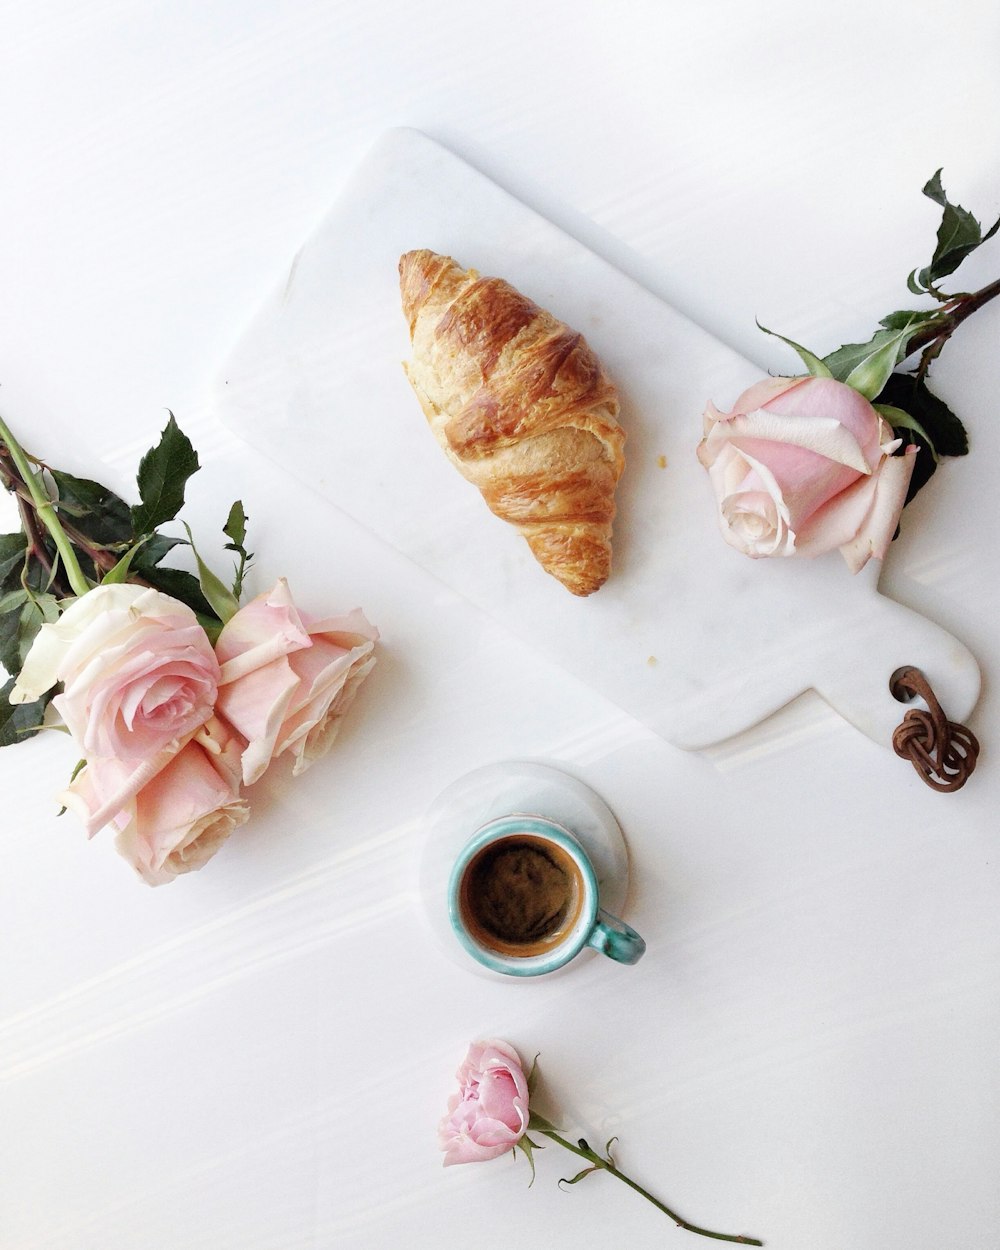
176,696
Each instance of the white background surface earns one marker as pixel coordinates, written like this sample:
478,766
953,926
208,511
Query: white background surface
257,1056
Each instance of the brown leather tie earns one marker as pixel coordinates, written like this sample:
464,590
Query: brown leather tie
943,753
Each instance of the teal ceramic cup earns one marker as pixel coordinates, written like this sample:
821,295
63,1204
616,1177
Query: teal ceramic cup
523,899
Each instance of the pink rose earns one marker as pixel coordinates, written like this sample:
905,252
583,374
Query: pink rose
288,678
180,818
139,677
139,674
489,1114
803,465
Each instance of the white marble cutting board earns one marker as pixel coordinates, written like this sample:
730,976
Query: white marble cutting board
695,640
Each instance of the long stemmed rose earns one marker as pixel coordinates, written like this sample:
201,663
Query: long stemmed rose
803,465
175,700
490,1114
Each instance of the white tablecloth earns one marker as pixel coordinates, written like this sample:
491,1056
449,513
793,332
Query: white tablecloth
256,1056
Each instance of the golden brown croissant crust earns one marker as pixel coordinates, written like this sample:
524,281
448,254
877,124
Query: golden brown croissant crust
522,407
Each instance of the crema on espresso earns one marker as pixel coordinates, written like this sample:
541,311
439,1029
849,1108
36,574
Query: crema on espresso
521,895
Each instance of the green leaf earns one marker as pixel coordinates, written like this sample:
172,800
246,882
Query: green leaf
212,626
78,768
10,625
153,551
163,473
900,420
37,577
933,189
236,524
913,285
866,366
959,234
37,611
49,605
869,375
95,510
12,549
19,720
31,621
532,1080
181,585
575,1180
236,529
527,1148
18,627
224,602
944,432
12,599
915,318
911,393
119,573
816,367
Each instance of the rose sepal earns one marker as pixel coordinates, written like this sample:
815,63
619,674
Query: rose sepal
900,420
222,600
817,368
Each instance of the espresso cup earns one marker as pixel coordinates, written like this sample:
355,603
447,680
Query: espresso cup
523,899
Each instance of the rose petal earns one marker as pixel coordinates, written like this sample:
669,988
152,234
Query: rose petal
822,436
97,618
265,629
256,706
311,729
489,1115
104,791
827,398
182,817
875,534
287,677
766,391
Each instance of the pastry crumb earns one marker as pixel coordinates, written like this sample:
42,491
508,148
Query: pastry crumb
652,661
661,462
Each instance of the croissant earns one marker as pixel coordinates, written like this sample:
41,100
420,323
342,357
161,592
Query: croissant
522,407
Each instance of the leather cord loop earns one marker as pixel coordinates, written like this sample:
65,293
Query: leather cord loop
943,753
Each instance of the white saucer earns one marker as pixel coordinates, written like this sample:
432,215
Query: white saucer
523,788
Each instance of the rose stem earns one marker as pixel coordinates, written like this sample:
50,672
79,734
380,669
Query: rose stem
585,1152
103,559
46,513
35,543
36,546
955,312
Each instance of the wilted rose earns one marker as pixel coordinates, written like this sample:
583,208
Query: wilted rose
178,819
489,1113
803,465
288,677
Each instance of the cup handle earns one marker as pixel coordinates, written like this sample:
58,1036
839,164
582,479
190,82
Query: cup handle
616,939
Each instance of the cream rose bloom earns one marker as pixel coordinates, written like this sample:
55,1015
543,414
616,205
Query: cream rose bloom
178,820
139,678
138,671
804,465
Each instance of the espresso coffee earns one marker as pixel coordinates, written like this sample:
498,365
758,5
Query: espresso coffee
521,895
